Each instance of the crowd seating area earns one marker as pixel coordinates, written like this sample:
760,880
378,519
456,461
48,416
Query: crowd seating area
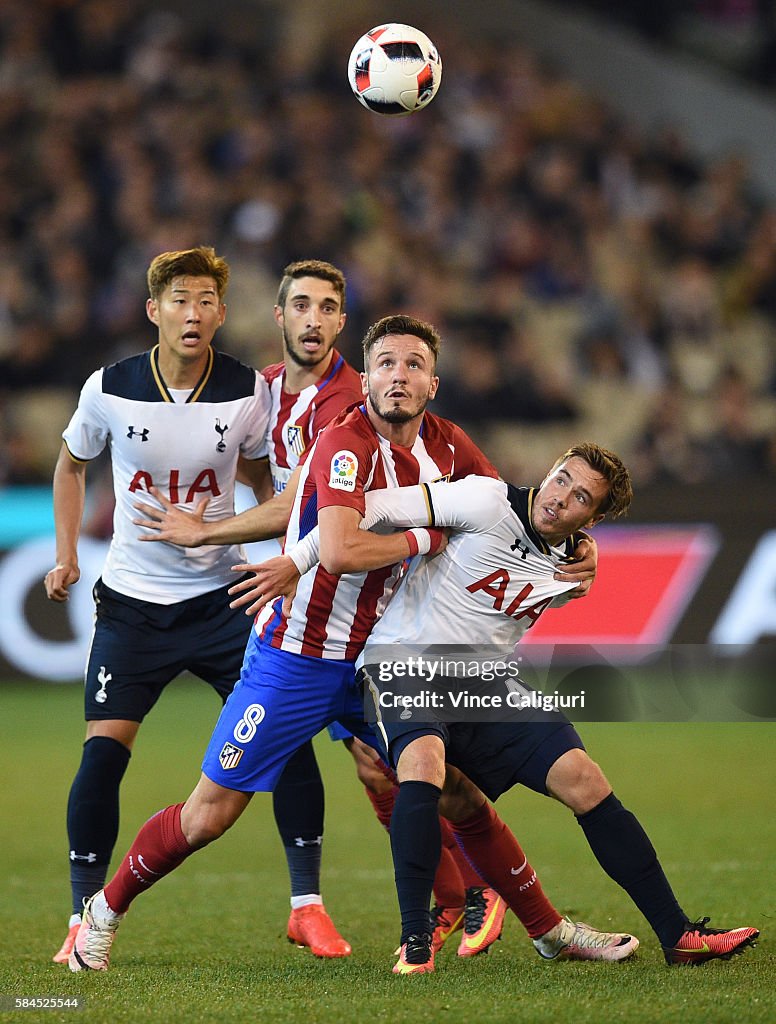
590,280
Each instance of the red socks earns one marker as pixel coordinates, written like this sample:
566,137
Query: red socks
490,845
158,849
449,886
469,877
383,804
455,874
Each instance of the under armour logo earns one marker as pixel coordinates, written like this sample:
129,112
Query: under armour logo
142,434
103,678
522,548
318,841
221,446
90,858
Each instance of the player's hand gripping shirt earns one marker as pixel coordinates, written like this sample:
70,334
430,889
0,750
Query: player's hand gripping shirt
188,450
332,616
295,419
489,585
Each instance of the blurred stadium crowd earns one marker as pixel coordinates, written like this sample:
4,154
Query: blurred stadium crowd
590,280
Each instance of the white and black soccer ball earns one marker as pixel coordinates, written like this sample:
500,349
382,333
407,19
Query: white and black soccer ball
394,69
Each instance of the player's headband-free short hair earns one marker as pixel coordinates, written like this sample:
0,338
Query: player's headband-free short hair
611,468
399,323
201,261
312,268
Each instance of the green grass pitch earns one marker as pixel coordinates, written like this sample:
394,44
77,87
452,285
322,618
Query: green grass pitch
208,944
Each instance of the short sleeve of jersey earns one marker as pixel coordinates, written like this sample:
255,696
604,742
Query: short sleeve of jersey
87,432
340,467
469,460
255,445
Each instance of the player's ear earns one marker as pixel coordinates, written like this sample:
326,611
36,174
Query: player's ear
364,384
434,386
152,311
342,319
221,313
278,314
594,521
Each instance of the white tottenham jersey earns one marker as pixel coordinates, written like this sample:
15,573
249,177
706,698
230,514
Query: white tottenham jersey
489,585
188,451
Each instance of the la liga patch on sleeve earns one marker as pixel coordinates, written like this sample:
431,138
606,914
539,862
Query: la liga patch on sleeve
344,469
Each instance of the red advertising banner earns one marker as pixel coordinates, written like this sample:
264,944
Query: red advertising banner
647,576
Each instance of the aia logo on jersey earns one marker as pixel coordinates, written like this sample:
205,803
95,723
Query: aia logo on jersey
344,467
221,446
295,439
495,586
205,483
142,434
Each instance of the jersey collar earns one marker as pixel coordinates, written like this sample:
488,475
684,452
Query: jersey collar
521,499
198,387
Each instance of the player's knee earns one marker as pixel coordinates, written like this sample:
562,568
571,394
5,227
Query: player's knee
203,828
423,760
371,777
460,797
206,818
577,781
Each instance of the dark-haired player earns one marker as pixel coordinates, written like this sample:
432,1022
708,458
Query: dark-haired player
181,419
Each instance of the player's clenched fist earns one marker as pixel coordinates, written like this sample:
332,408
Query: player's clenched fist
58,579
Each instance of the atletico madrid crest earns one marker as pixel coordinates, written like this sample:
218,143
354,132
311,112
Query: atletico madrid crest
230,756
295,439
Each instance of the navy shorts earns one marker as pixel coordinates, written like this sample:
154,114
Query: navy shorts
495,755
139,647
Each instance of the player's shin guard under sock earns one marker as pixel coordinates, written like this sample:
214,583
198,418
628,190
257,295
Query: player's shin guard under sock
415,843
158,849
298,803
624,851
470,878
93,815
499,858
449,885
382,804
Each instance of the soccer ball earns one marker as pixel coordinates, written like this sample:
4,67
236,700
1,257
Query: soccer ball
394,69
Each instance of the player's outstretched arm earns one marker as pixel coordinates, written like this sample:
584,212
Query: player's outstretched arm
191,530
69,491
583,569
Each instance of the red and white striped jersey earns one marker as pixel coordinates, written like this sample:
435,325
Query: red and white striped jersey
332,616
295,419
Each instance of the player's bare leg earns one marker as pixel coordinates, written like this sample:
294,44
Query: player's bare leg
161,845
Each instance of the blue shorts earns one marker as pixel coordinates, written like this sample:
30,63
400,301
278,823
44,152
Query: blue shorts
280,701
139,647
337,731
